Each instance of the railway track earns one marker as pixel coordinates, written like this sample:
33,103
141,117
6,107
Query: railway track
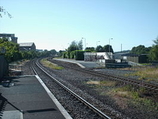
84,105
149,86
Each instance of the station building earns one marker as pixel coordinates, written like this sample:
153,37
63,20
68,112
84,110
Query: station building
27,46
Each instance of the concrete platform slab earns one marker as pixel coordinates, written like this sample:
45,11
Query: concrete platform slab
12,115
83,64
31,95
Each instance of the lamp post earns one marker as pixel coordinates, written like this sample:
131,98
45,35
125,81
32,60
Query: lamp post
84,42
97,43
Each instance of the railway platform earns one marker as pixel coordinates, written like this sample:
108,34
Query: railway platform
83,64
27,97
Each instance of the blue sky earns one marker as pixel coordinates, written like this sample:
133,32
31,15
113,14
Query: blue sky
54,24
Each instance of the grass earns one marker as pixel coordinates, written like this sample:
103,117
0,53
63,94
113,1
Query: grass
108,83
148,74
93,82
135,98
102,83
51,65
102,86
127,93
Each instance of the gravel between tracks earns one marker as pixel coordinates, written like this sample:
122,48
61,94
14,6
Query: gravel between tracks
77,82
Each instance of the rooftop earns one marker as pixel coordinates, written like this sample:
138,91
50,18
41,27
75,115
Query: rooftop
26,44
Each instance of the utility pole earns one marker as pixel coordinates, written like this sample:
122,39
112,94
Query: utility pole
109,43
97,43
121,47
84,42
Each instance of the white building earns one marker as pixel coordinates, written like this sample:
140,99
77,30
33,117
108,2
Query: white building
98,56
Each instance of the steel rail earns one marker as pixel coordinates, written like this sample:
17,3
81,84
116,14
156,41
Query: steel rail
117,78
125,80
103,115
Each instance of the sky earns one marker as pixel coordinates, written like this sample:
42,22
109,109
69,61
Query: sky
54,24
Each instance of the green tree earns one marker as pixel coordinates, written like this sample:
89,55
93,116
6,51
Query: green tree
79,55
11,50
156,41
141,49
61,53
153,54
108,48
24,54
80,45
73,46
99,48
90,49
53,52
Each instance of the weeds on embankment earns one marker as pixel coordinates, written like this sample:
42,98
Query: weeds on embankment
149,74
51,65
126,96
139,97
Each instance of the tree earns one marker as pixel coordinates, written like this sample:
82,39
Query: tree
99,48
12,49
90,49
141,49
156,41
108,48
61,53
153,54
73,46
80,45
53,52
4,12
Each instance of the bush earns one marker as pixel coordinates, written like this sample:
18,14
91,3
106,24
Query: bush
79,55
72,55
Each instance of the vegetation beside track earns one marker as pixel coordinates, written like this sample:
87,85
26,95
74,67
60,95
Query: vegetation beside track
126,95
146,73
138,97
133,101
51,65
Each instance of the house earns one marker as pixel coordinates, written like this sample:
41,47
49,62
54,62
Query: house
27,46
11,37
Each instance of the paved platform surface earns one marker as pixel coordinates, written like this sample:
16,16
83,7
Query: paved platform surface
83,64
29,95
